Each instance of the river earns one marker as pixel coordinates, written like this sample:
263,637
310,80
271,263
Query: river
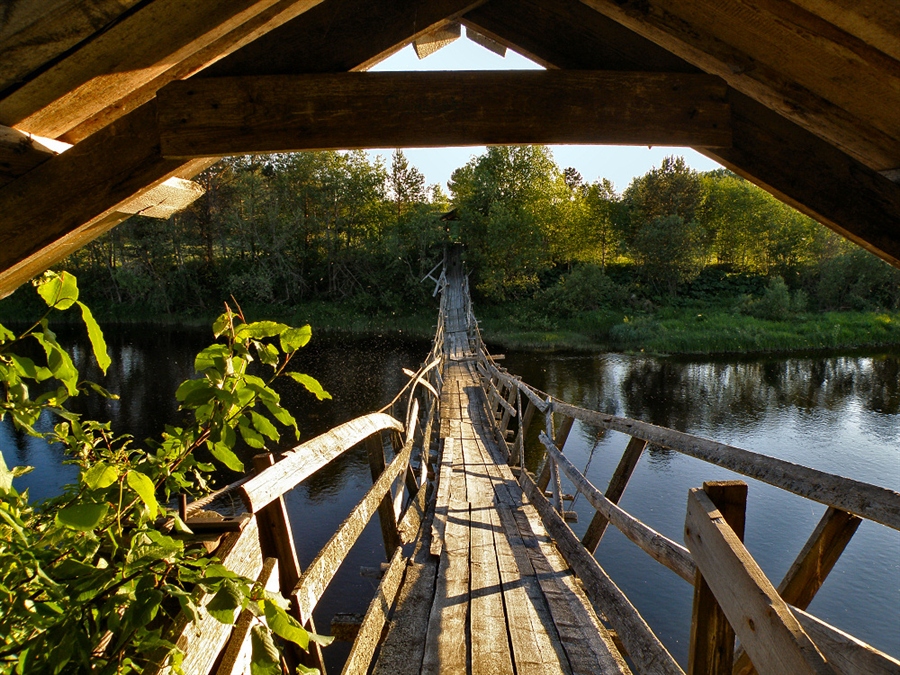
837,414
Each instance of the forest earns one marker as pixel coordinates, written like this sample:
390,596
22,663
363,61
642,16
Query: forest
344,239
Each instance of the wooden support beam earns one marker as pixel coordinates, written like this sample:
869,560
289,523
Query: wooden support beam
614,491
778,155
432,109
813,564
390,535
761,619
711,647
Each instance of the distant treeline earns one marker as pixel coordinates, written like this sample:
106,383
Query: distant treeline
288,229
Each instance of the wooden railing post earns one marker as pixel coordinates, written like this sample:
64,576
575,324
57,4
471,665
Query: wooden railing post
389,531
614,491
712,637
277,541
811,567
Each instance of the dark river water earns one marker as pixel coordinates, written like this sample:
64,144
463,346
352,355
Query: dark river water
837,414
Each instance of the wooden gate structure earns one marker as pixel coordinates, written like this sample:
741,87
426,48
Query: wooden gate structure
484,574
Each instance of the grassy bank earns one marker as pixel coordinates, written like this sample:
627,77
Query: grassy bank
700,331
694,329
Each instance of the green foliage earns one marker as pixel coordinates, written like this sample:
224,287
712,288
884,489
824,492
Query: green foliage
90,580
858,280
585,288
777,302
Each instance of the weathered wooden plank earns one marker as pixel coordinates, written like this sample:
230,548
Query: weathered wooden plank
321,571
201,641
768,631
875,23
448,636
535,639
711,646
588,646
869,501
660,548
235,659
767,149
130,53
844,652
614,491
304,460
35,32
428,109
490,643
369,635
812,565
644,648
442,503
276,540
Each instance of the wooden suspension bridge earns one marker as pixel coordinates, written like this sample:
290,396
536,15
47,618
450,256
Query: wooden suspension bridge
485,575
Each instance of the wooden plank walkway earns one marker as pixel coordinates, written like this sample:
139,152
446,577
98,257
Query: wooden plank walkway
487,592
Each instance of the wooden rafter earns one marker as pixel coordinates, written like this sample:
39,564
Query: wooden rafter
139,49
794,164
786,58
365,110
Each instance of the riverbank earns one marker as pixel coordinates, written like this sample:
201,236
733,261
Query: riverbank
690,330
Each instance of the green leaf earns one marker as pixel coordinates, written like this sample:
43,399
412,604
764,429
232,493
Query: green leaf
27,368
103,392
312,385
264,658
6,334
6,476
223,604
306,670
82,517
212,357
264,426
195,392
100,476
294,338
284,625
225,455
59,291
221,324
145,489
260,329
251,438
98,343
280,414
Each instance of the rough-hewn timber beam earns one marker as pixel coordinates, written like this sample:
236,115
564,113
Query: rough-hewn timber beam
429,109
786,58
44,216
767,149
139,49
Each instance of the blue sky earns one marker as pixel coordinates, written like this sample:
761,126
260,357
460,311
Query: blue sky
618,163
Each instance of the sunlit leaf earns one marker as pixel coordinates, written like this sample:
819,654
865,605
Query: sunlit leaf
100,476
312,385
264,658
221,324
224,603
285,626
81,516
260,329
251,438
145,489
225,455
264,426
208,357
59,291
295,338
98,343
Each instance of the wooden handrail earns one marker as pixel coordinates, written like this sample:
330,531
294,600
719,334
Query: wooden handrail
305,459
321,571
865,500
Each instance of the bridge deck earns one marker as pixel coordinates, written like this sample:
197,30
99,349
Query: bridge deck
487,591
